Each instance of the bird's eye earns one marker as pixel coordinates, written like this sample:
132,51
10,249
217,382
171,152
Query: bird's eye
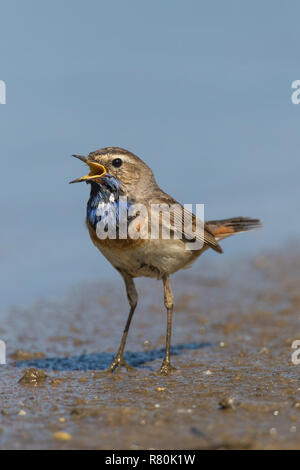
117,162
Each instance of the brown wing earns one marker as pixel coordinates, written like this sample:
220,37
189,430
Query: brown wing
195,231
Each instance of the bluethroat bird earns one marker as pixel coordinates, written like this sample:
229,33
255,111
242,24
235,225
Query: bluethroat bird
120,180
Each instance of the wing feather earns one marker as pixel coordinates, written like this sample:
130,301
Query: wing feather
194,230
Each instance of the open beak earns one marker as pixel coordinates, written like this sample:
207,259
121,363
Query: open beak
96,170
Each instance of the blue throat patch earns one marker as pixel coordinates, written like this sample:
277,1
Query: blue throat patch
104,205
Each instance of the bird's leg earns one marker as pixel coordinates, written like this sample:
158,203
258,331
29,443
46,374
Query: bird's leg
119,360
166,367
132,298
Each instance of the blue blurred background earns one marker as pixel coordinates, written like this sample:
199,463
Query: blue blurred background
200,90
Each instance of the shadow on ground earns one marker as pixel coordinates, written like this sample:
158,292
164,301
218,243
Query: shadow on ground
101,361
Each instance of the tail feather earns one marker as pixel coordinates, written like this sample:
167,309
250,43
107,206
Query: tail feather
227,227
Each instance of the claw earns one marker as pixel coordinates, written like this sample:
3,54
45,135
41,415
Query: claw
117,363
166,368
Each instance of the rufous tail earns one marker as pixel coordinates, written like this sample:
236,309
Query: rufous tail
227,227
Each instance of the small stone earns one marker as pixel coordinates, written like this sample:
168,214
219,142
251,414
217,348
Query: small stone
228,403
276,413
22,413
184,410
62,420
62,436
207,372
264,351
33,377
293,429
161,389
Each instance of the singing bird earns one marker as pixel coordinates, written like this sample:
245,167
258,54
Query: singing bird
118,177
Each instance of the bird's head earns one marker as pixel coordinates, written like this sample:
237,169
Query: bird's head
114,166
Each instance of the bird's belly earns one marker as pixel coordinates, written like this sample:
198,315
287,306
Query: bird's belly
163,257
145,258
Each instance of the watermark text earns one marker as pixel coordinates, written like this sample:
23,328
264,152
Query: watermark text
2,92
2,352
296,354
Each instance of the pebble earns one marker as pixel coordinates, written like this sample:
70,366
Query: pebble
183,410
62,436
33,377
228,403
264,351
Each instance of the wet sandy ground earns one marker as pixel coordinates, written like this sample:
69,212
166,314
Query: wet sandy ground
235,386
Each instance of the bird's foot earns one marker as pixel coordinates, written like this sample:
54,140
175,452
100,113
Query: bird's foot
166,368
119,362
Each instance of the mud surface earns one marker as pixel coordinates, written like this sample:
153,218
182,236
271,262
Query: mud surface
235,384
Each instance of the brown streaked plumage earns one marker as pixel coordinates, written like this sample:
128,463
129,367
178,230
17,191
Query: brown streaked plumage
114,172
